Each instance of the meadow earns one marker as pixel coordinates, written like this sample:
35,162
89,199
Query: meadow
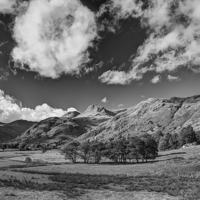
173,175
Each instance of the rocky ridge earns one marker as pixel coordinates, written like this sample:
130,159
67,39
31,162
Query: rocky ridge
150,116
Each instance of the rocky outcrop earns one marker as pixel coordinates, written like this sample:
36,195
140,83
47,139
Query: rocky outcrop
97,111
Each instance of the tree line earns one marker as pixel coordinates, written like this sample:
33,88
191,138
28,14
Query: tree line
170,141
120,150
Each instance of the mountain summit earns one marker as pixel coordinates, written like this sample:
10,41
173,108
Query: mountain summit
98,110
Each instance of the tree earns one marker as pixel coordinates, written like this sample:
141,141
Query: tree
22,146
116,149
120,149
150,148
97,149
157,136
187,135
197,135
84,151
110,150
166,142
44,148
134,148
71,151
3,146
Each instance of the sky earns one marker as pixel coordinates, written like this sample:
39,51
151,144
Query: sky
61,54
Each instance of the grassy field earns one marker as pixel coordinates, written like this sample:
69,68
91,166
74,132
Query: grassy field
173,175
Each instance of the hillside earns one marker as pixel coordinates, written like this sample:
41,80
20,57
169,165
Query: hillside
11,130
150,116
69,126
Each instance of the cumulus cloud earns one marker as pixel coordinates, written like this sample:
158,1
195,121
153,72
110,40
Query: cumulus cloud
173,78
173,36
53,37
11,109
120,105
7,6
72,109
104,100
114,77
156,79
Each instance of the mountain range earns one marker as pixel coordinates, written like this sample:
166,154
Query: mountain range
71,125
149,116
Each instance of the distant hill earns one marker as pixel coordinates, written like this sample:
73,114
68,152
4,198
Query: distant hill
9,131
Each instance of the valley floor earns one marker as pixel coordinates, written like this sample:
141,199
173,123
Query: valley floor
174,175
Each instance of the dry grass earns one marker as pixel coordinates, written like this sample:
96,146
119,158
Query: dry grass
174,175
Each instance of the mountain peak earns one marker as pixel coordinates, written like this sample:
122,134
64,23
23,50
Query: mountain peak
95,108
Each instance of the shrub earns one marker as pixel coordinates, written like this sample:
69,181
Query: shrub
28,160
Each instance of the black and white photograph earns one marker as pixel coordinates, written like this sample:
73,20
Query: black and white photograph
99,99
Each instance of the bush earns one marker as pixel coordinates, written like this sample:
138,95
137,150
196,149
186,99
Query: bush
3,146
28,160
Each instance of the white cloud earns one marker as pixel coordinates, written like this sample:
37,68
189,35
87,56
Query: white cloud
120,105
104,100
53,37
176,35
156,79
11,110
173,78
113,77
173,36
72,109
7,6
127,8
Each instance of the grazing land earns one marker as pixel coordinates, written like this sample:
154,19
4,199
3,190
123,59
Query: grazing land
173,175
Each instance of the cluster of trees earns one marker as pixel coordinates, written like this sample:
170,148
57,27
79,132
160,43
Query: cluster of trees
120,150
177,140
23,146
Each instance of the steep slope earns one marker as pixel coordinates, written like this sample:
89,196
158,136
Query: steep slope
150,116
11,130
